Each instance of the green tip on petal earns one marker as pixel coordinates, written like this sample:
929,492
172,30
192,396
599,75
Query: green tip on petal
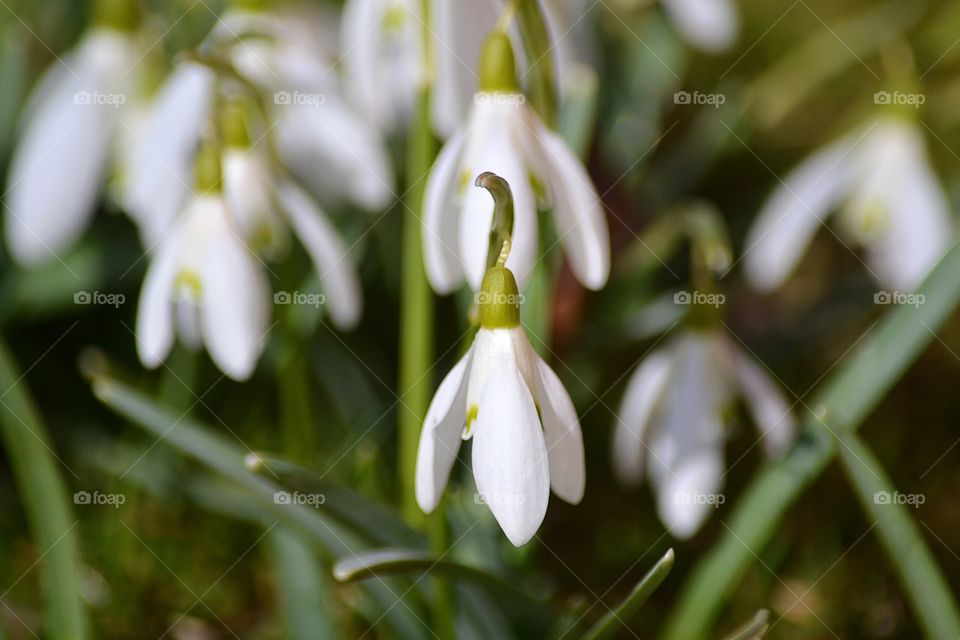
498,67
499,300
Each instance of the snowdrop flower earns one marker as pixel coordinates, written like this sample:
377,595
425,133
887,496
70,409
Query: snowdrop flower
384,60
505,136
709,25
61,161
205,284
670,425
503,396
886,194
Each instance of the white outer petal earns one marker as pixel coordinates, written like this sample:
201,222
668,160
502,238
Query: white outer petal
161,172
699,473
636,415
561,429
492,145
60,162
766,403
354,161
155,322
337,276
440,436
578,212
921,227
247,190
441,219
234,300
510,460
708,25
793,213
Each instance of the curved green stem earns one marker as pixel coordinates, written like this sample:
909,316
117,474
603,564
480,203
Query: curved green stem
501,229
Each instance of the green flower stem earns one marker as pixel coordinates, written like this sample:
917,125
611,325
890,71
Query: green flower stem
844,402
539,51
45,498
925,586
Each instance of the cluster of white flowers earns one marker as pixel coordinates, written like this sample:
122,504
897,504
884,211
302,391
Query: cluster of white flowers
235,153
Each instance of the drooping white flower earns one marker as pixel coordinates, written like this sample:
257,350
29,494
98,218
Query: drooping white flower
890,203
524,427
60,164
205,284
709,25
505,136
670,425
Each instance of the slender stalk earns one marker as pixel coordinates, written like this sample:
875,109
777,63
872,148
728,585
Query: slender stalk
846,400
539,52
925,586
45,499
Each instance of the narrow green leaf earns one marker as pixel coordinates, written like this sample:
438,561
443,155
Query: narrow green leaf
539,51
365,517
44,494
301,587
846,399
387,562
753,630
925,586
617,618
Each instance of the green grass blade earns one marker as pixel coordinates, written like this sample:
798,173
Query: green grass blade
925,586
301,587
45,498
753,630
614,621
847,398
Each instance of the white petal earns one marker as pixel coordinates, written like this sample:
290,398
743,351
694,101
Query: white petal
920,228
793,213
60,161
561,429
155,313
440,436
709,25
492,146
460,29
161,174
510,460
234,302
441,219
578,212
766,404
330,257
687,497
355,163
636,415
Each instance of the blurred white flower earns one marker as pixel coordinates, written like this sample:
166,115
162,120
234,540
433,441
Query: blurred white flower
670,425
61,161
207,285
889,202
709,25
526,435
504,135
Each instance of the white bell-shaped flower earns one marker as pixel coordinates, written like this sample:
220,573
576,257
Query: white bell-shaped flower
670,425
505,136
881,183
524,427
711,26
60,164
